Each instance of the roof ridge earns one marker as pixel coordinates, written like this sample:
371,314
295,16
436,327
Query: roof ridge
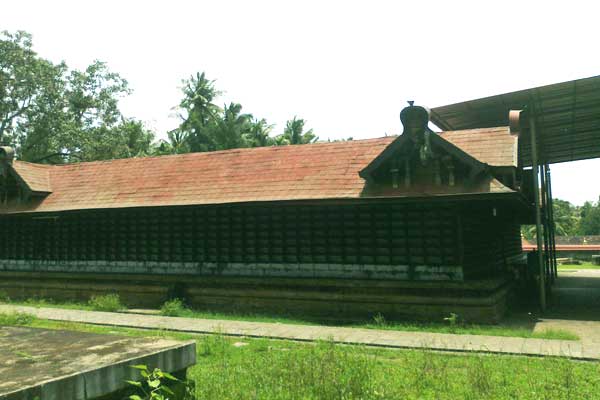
36,164
218,152
492,128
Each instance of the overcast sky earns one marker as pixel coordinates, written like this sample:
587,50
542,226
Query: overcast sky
346,67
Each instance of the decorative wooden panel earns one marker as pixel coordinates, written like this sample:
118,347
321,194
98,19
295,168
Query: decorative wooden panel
333,234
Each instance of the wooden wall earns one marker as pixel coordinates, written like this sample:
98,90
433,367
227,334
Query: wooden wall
407,235
387,254
489,242
354,234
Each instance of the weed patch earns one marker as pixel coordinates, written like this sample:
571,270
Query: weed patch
16,319
173,308
109,302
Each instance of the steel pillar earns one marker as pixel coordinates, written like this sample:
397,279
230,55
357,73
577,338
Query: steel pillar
545,224
538,216
552,224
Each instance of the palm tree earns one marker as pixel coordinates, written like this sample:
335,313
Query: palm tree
294,133
258,136
231,130
199,111
177,143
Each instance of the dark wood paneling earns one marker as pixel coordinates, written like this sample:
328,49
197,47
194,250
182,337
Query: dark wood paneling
366,234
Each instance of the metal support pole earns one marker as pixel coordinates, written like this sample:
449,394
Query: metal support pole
545,223
552,224
538,216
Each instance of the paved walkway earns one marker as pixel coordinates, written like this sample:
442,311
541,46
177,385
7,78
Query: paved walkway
370,337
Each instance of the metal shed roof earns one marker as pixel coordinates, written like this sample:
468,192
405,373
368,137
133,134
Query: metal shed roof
568,118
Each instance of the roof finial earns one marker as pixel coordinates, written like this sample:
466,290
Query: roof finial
7,155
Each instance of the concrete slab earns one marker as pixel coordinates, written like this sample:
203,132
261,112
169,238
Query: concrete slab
68,365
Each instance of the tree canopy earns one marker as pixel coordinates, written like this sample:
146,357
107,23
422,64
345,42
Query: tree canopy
589,223
294,133
571,220
51,114
207,127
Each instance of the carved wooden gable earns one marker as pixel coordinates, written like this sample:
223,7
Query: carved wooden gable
19,181
422,162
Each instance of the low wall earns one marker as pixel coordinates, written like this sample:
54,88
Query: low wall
323,298
577,255
289,270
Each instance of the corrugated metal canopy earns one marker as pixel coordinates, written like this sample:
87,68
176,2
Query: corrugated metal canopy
568,118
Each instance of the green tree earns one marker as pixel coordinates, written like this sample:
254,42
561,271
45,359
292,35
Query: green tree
207,127
590,218
294,133
30,91
571,220
177,143
53,115
566,218
231,130
198,113
259,134
127,139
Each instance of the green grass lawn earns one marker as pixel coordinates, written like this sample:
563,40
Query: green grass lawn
583,265
277,370
410,326
375,323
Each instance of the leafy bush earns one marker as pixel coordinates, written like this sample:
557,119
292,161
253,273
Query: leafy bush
173,308
4,298
108,302
16,318
159,385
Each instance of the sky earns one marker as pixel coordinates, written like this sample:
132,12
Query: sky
346,67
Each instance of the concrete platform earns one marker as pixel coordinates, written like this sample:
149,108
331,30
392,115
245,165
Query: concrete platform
67,365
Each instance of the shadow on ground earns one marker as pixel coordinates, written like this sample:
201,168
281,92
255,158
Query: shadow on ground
573,305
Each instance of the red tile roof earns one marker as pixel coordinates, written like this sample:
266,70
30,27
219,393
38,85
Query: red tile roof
493,146
314,171
565,247
36,176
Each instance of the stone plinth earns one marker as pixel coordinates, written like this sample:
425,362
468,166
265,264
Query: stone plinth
67,365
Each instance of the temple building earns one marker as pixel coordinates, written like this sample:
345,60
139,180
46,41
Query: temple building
421,225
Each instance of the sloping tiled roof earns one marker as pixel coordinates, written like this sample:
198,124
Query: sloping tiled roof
313,171
36,176
493,146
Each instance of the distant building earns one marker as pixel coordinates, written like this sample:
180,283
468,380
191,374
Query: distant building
577,247
422,224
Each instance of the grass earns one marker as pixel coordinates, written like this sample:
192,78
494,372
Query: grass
277,370
176,308
16,319
583,265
